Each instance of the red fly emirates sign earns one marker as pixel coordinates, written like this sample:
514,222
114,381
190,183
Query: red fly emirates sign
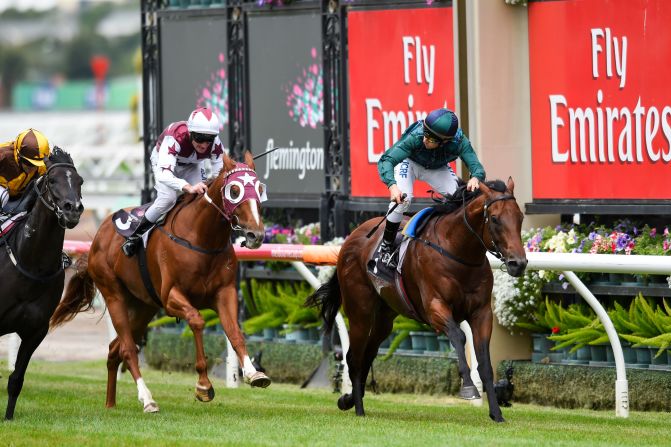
600,99
401,66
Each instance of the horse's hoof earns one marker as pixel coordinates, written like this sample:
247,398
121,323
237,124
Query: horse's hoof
204,394
258,380
151,407
345,402
498,419
469,393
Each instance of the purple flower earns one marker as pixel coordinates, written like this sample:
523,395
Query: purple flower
592,236
653,232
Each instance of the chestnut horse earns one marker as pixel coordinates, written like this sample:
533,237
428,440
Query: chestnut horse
192,266
446,277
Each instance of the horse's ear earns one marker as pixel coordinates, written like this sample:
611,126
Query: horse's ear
511,184
229,163
249,160
486,190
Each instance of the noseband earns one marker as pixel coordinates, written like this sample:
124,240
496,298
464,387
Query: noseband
496,252
53,206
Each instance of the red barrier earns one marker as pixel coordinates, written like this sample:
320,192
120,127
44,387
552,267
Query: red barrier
311,254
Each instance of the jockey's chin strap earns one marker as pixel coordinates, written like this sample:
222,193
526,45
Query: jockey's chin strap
496,252
53,206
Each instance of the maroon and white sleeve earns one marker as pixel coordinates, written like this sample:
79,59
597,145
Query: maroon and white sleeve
167,160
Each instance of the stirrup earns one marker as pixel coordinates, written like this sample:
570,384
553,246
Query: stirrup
130,246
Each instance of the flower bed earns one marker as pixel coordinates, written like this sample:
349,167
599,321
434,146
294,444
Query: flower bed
520,303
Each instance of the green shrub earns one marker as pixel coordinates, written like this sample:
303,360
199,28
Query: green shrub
587,387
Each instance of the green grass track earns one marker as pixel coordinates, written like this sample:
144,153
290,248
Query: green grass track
62,404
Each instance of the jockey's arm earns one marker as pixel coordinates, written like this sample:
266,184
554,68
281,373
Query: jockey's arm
217,157
165,165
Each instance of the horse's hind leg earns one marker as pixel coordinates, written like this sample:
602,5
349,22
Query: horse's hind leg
140,316
113,362
365,338
29,342
227,308
481,326
127,350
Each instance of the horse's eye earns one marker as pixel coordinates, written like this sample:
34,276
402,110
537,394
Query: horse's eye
495,220
52,181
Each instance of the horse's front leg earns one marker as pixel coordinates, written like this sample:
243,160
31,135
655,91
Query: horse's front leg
481,325
179,306
442,319
29,342
227,308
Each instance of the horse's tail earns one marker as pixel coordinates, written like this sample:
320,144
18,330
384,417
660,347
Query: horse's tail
78,295
328,298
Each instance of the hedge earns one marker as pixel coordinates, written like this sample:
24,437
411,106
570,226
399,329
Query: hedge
293,363
573,386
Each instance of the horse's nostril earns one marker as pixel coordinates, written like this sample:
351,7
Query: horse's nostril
80,208
67,206
251,235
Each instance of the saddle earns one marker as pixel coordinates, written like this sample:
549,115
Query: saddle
384,277
125,222
410,230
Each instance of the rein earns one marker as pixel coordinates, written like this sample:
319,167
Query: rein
496,252
227,216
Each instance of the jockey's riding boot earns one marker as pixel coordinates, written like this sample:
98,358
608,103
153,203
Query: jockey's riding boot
387,245
130,245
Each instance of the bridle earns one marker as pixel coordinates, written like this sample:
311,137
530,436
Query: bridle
496,252
51,205
227,213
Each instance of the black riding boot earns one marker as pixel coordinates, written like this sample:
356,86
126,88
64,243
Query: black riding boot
387,245
130,245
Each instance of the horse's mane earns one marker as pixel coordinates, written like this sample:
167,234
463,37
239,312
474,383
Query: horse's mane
58,155
461,196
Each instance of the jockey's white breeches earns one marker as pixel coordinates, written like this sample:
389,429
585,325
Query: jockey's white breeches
166,197
442,180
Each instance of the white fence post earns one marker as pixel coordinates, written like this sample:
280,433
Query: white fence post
621,384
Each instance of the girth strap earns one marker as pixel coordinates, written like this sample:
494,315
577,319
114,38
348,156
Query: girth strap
187,244
144,273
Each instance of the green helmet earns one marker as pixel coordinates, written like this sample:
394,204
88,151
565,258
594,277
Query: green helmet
441,124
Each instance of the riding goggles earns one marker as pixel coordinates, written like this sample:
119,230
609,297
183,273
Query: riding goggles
431,138
202,137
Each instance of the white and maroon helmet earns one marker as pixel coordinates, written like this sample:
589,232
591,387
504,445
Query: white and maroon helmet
203,121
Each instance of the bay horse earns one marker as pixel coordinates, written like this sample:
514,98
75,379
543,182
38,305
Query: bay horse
446,277
32,263
192,265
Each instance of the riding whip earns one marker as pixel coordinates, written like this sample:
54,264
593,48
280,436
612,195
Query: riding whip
391,210
265,153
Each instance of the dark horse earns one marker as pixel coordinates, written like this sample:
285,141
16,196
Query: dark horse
192,266
31,263
446,277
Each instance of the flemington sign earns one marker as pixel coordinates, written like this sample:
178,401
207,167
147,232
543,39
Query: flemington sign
401,66
600,99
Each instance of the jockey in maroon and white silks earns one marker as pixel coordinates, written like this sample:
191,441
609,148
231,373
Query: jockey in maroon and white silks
177,162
